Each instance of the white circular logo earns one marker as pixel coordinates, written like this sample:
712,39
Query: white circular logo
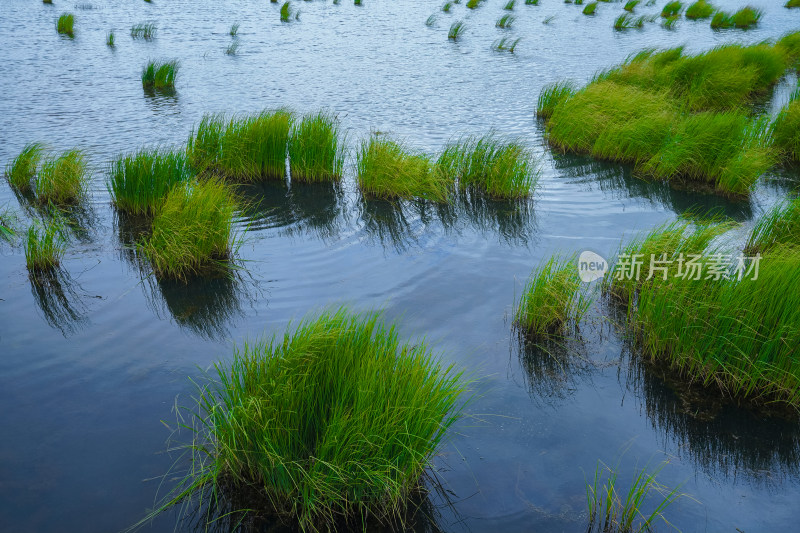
591,266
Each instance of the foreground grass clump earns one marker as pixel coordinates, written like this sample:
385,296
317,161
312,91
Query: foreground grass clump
553,301
139,182
786,132
672,9
22,169
778,227
192,230
742,19
286,12
66,24
333,422
700,10
63,179
315,149
144,30
497,167
44,247
386,169
160,74
247,148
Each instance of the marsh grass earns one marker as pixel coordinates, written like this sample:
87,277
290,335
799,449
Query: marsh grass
473,4
44,246
248,148
316,151
234,30
792,3
139,182
110,40
553,301
447,7
778,227
630,5
506,44
745,18
669,23
63,179
627,21
785,132
66,24
21,171
672,9
590,8
431,20
700,10
510,5
505,21
192,231
160,74
286,12
548,20
551,96
387,169
790,45
489,164
334,421
232,48
144,30
456,30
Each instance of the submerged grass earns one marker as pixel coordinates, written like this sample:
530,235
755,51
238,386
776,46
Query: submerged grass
139,182
44,247
62,179
144,30
387,169
315,149
66,24
334,421
553,300
21,171
700,10
742,19
776,228
160,74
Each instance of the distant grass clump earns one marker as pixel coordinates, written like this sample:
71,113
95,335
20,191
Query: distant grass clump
160,74
232,48
21,171
631,5
785,132
447,6
473,4
742,19
44,247
778,227
192,230
590,8
553,301
62,179
506,44
386,169
145,30
505,21
491,165
315,149
456,30
671,9
509,5
335,420
627,21
110,40
139,182
247,148
286,12
66,24
700,10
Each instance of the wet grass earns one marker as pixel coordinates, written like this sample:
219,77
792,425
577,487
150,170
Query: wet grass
8,221
590,8
700,10
316,149
63,179
44,246
21,171
334,421
192,231
672,9
160,74
553,300
785,132
232,48
745,18
431,20
456,30
492,165
66,24
247,148
139,182
552,95
387,169
506,44
505,21
447,7
144,30
778,227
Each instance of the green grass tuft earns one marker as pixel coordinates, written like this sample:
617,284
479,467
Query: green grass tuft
234,30
672,9
21,171
700,10
456,30
447,7
315,149
778,227
506,44
785,132
505,21
792,3
286,12
590,8
63,179
510,5
627,21
160,74
66,24
232,48
552,95
746,17
144,30
630,5
110,40
139,182
473,4
431,20
44,248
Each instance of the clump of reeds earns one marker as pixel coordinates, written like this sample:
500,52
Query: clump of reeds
553,300
506,44
21,171
232,48
630,5
160,74
510,5
315,149
44,247
234,29
744,18
139,182
552,95
778,227
700,10
191,230
387,169
456,30
473,4
286,11
62,179
627,21
785,131
66,24
590,8
447,6
672,9
249,148
336,419
144,30
492,165
110,40
505,21
431,20
792,3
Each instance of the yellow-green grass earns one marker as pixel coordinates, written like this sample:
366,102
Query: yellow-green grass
62,179
387,169
332,422
110,40
792,3
66,24
44,247
700,10
192,231
554,299
21,171
790,45
160,74
246,148
630,5
316,149
552,95
286,11
746,17
139,182
456,30
498,167
785,132
778,227
590,8
672,9
505,21
627,21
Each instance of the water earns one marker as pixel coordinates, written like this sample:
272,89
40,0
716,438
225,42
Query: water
91,364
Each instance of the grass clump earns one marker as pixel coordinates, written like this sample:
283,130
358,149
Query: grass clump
447,7
778,227
792,3
160,74
334,421
247,148
631,5
234,30
315,149
506,44
431,20
286,12
456,30
110,40
553,300
785,132
510,5
63,179
21,171
590,8
144,30
473,4
700,10
742,19
672,9
139,182
552,95
531,2
191,230
505,21
386,169
8,220
66,24
44,247
232,48
627,21
494,166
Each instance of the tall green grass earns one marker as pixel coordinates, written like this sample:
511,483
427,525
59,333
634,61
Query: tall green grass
387,169
700,10
66,24
286,11
785,132
316,149
62,179
778,227
139,182
789,44
590,8
143,30
506,44
456,30
628,21
191,230
742,19
553,300
332,422
21,171
672,9
44,247
160,74
552,95
110,39
505,21
630,5
249,148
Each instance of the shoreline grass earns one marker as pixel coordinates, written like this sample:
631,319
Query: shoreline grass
160,74
139,182
44,248
66,24
63,179
315,149
785,132
21,171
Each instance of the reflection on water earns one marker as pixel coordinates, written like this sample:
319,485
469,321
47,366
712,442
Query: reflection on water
77,219
512,221
59,301
391,224
553,367
164,100
131,230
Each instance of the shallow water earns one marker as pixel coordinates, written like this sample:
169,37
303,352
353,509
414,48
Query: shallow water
91,363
